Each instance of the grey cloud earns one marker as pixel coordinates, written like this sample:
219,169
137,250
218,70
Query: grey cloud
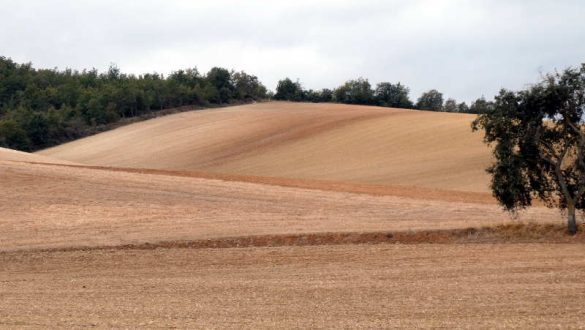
463,48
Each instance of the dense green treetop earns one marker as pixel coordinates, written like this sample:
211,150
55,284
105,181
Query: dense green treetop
289,90
431,100
393,95
539,143
358,91
40,108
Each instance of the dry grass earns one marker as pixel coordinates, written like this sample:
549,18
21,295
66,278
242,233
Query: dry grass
335,142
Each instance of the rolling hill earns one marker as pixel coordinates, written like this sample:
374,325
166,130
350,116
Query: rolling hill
47,205
344,143
268,216
20,156
264,169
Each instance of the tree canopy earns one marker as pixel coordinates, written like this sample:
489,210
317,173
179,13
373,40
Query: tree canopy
450,106
288,90
539,138
40,108
480,106
431,100
392,95
358,91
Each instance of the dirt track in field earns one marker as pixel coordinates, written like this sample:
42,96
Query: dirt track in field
352,286
335,142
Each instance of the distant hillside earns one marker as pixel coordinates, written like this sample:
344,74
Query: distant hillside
40,108
300,140
20,156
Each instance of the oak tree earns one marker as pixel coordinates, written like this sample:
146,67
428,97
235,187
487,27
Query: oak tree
539,144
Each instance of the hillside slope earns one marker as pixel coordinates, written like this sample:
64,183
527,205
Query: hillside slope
298,140
19,156
49,206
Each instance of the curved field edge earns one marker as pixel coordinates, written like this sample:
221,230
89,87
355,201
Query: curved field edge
25,157
312,184
47,206
335,142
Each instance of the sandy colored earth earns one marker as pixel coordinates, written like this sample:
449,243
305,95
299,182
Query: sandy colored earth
470,286
122,229
46,206
25,157
335,142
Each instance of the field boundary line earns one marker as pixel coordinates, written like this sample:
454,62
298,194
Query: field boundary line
416,193
506,234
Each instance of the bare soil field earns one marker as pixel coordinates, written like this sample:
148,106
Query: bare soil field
353,286
334,142
50,206
278,215
25,157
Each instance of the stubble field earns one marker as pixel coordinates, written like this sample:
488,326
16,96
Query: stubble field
118,229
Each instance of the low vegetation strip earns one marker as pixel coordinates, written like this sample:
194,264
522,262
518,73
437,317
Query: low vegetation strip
510,233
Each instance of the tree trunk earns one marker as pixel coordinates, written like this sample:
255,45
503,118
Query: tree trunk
572,221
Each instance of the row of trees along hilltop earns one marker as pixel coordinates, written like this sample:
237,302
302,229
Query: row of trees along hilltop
40,108
538,133
360,91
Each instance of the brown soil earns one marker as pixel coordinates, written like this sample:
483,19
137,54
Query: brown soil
278,215
48,206
500,234
349,286
19,156
333,142
325,185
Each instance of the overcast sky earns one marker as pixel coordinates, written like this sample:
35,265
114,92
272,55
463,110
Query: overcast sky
464,49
